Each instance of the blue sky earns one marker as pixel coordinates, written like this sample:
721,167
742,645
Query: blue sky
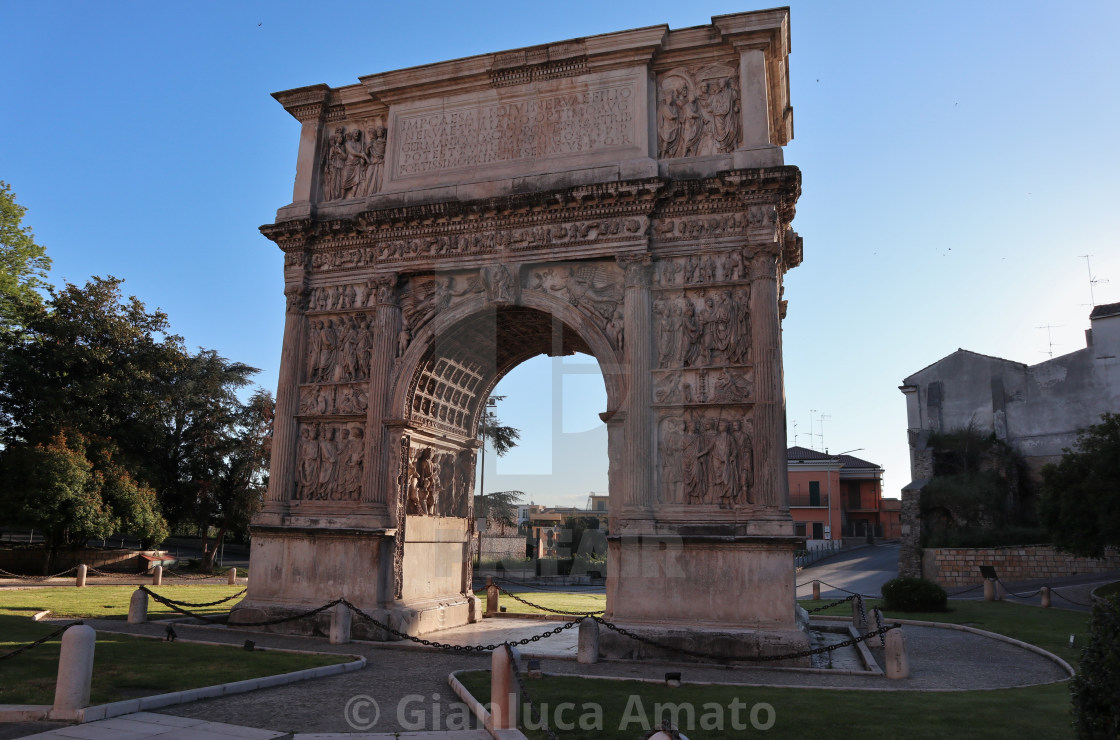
957,158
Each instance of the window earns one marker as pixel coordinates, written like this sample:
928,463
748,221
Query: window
799,529
814,494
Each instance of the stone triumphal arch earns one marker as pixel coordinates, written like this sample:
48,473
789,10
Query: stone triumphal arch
621,195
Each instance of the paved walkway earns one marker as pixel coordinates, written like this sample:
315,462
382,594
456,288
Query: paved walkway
408,684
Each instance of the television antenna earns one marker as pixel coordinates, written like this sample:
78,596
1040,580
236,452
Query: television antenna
1092,280
1049,338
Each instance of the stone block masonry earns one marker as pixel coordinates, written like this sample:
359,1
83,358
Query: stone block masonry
959,566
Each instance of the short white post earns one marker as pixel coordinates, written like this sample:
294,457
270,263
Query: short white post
340,624
1045,597
1001,591
157,575
503,691
817,590
989,589
80,578
588,641
898,663
138,607
233,576
75,672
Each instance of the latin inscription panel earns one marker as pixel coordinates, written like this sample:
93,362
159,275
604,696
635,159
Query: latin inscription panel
556,125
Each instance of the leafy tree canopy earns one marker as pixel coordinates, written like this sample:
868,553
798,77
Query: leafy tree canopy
23,263
1081,493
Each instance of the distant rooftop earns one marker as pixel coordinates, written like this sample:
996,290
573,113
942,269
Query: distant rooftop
1108,309
803,454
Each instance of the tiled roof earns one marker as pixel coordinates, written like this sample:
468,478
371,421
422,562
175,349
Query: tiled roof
803,454
1108,309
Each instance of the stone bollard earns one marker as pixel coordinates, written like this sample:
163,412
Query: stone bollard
340,624
859,618
898,662
233,576
75,672
491,596
1001,592
503,690
157,575
989,590
588,641
1045,597
80,578
817,590
138,607
474,609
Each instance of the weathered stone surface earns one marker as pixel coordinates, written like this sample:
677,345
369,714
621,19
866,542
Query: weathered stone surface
622,196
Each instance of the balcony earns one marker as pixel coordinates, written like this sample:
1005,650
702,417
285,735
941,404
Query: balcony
805,501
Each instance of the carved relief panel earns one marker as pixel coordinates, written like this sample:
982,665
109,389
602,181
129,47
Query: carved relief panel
698,111
354,160
706,458
688,387
703,328
334,400
330,460
439,482
596,288
338,348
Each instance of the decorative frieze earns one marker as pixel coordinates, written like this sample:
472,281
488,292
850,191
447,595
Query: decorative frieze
334,399
689,386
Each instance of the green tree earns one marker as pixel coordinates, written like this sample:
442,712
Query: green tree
498,508
501,437
1080,503
89,361
216,447
23,263
72,490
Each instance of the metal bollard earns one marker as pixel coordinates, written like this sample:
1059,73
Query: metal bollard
503,690
491,596
75,672
232,576
80,578
898,662
817,590
989,590
340,624
157,575
138,607
1045,597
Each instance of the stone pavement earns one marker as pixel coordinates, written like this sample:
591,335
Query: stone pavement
409,683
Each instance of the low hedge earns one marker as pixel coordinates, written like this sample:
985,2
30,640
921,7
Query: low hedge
913,595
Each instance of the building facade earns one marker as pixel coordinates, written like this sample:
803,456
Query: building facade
832,497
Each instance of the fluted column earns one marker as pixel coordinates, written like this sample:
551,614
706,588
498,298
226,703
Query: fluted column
285,433
769,409
637,471
379,479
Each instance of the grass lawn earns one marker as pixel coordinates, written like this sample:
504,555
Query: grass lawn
128,667
1035,712
125,667
111,601
1106,592
572,602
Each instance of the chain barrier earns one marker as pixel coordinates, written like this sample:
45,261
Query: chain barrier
847,591
263,623
457,648
105,574
1057,593
40,641
524,693
545,608
757,658
537,587
1009,592
192,576
208,603
838,602
9,574
879,626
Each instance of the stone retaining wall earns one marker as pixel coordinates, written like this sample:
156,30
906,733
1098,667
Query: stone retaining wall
29,560
959,566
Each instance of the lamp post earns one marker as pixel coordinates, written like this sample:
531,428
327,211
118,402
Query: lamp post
837,458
